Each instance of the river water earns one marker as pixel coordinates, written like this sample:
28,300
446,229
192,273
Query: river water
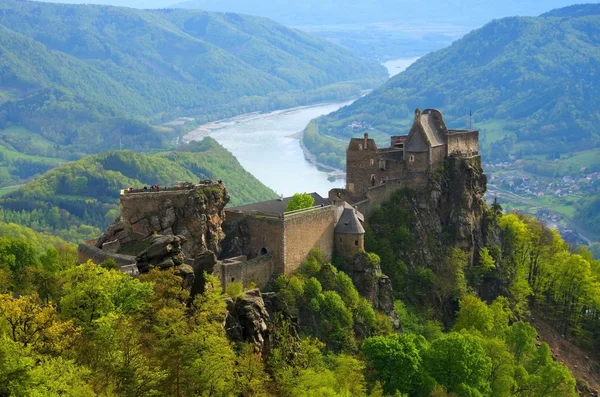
262,144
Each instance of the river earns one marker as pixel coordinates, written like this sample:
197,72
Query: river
262,144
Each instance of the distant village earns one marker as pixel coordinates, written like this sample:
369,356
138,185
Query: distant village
551,196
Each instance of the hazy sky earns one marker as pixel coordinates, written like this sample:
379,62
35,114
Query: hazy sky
322,11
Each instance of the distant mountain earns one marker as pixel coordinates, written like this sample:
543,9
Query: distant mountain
74,200
526,80
577,10
317,12
80,79
151,62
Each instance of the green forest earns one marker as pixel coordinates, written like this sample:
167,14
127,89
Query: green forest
79,199
92,330
82,79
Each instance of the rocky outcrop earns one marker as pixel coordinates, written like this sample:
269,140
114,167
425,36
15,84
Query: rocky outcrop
251,318
179,227
164,252
248,320
459,201
373,285
195,212
447,212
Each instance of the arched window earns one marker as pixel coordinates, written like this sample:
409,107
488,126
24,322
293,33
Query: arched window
373,180
411,158
356,242
263,251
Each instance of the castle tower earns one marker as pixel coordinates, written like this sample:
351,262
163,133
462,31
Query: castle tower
361,165
349,233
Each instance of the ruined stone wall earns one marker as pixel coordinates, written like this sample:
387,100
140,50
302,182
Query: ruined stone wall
438,154
256,271
393,169
305,230
86,252
463,142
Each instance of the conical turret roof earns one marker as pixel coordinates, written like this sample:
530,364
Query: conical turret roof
349,222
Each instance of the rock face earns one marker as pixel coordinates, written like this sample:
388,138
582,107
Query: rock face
248,319
196,213
373,285
176,227
460,201
251,317
448,212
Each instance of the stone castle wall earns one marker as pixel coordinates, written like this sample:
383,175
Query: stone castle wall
419,163
256,271
305,230
361,163
464,142
266,237
88,252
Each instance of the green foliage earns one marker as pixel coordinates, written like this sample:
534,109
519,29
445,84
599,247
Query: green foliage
330,304
300,201
397,361
87,330
234,290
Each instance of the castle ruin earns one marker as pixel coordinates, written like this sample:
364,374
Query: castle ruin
257,242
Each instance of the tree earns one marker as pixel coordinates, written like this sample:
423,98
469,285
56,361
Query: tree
91,292
33,325
300,201
396,361
459,362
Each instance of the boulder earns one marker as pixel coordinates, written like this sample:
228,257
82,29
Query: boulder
112,247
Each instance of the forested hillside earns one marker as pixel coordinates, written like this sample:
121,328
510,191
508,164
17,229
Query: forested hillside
526,80
77,199
77,80
92,330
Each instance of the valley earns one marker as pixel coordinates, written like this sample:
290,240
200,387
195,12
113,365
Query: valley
387,198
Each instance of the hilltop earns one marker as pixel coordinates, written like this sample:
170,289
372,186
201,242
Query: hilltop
75,199
526,80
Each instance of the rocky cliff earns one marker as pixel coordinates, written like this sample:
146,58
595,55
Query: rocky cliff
424,236
175,227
